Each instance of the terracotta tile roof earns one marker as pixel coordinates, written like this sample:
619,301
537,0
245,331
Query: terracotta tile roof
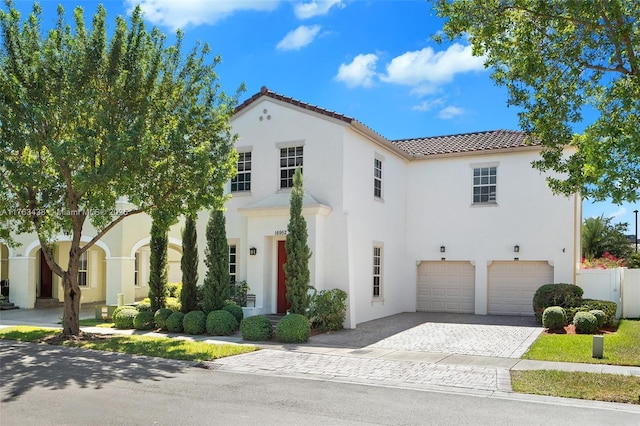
466,142
264,91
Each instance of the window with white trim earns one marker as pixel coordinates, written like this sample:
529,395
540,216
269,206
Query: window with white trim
290,160
377,178
83,269
242,181
484,185
377,272
233,262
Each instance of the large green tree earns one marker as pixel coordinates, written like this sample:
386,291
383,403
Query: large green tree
217,279
561,60
189,266
298,253
86,119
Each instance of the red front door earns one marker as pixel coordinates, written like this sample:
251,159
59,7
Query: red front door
283,304
46,279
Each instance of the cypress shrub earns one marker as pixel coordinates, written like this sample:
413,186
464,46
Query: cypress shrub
189,266
158,265
298,253
216,281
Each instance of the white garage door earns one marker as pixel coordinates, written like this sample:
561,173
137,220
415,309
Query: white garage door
513,284
446,287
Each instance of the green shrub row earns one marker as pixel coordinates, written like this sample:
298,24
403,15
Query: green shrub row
586,322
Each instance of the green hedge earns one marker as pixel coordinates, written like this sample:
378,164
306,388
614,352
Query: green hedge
585,322
234,310
563,295
161,316
293,328
144,321
256,328
609,308
194,322
174,322
221,323
328,309
124,317
554,318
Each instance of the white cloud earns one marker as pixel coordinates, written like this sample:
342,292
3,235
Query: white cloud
450,112
359,72
429,104
427,66
618,213
315,8
299,38
184,13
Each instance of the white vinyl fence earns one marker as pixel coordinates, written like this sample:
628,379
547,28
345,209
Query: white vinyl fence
620,285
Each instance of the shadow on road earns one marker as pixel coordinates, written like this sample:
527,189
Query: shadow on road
28,365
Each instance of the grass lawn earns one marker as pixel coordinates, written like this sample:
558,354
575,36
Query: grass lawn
600,387
620,348
140,345
92,322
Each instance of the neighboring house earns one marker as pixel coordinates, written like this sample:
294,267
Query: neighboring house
457,223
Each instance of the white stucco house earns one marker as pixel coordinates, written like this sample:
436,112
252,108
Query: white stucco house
458,223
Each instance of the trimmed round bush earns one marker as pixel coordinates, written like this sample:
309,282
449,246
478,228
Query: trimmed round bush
600,316
563,295
174,322
234,310
221,323
144,306
608,307
554,318
144,321
117,310
585,322
293,328
194,322
256,328
161,316
124,318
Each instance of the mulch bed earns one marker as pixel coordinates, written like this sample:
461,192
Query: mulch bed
571,329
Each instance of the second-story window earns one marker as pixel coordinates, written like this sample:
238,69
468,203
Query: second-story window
290,160
242,181
377,178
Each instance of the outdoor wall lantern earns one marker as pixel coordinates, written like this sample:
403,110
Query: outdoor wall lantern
442,249
516,249
253,251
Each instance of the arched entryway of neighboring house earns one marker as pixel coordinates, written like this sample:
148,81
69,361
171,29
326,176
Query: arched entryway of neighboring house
141,253
92,276
4,270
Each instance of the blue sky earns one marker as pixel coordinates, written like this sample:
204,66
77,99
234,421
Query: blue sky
373,60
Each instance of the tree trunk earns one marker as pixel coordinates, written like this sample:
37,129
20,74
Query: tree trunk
71,318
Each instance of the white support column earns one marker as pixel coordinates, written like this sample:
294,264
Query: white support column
120,272
22,281
482,286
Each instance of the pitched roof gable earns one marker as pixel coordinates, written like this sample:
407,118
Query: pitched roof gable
416,147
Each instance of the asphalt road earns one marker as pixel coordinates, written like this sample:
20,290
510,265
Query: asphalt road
47,385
